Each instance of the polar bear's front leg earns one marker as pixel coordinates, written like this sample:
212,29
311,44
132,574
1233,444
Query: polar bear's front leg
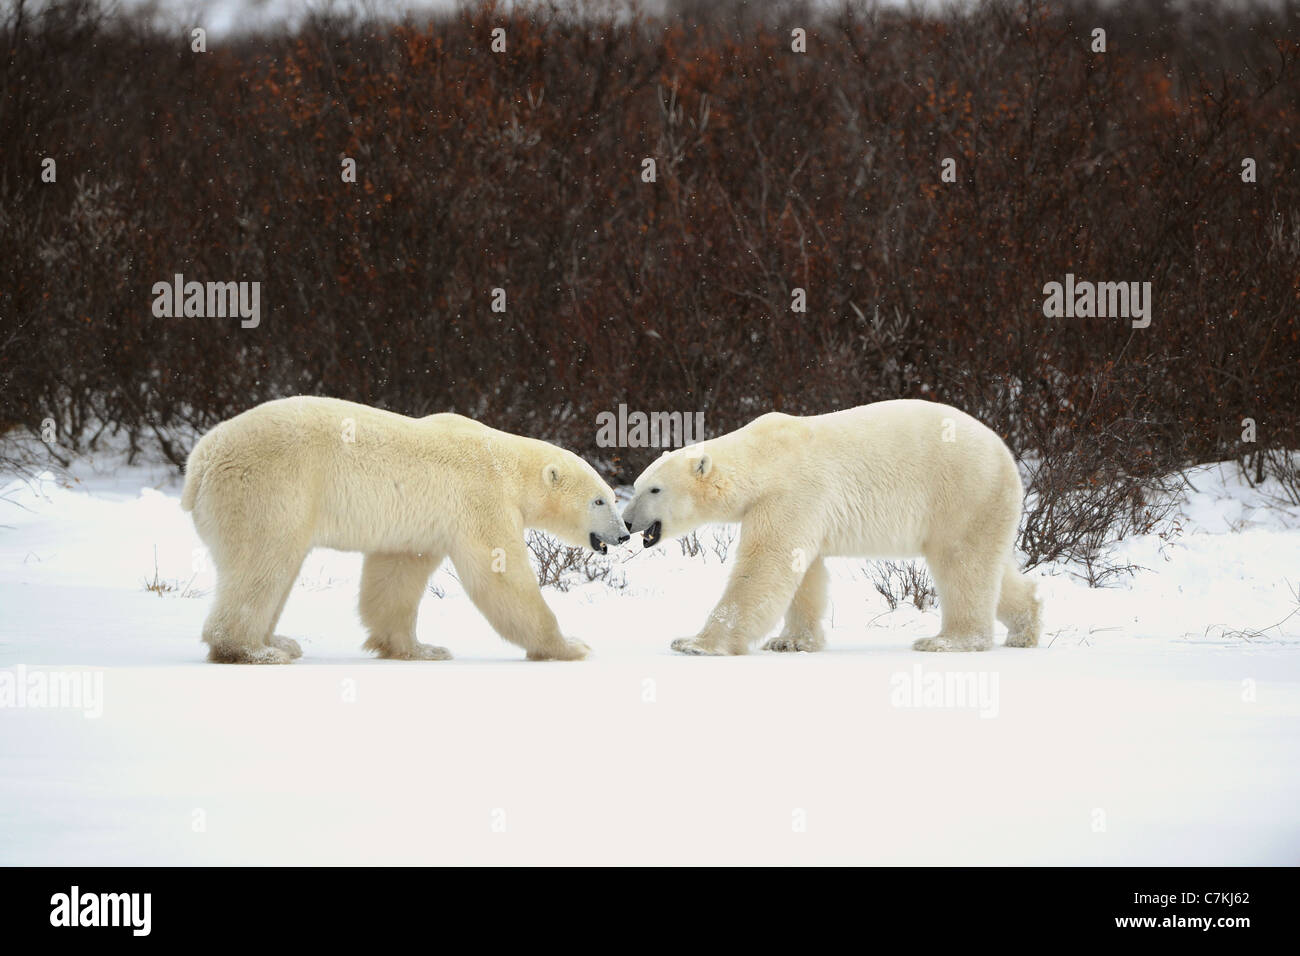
500,581
803,620
391,588
762,585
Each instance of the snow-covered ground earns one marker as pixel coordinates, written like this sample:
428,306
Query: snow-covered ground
1158,724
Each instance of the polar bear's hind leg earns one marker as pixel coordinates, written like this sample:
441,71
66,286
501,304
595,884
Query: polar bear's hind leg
250,597
967,584
1019,607
391,588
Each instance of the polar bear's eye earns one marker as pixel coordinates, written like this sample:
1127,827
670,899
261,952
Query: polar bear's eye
654,491
598,502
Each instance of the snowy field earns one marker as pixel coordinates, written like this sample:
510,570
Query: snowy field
1158,724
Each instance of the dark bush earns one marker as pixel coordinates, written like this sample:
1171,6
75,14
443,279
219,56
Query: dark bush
776,171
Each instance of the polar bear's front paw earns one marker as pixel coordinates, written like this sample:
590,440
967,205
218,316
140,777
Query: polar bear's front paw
689,645
429,652
286,644
941,643
786,644
1022,640
566,651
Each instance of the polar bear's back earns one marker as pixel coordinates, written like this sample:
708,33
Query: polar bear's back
311,434
359,478
910,423
902,472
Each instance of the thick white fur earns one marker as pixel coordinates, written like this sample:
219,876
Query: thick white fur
269,485
893,479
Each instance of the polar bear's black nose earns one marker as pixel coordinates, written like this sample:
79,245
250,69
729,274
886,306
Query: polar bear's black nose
623,537
629,527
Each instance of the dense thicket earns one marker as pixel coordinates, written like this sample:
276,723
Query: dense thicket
776,171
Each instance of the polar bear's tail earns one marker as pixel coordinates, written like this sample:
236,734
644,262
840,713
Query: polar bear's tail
194,467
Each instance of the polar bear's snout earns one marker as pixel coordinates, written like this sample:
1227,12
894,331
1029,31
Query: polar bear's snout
651,531
667,496
609,527
598,545
630,518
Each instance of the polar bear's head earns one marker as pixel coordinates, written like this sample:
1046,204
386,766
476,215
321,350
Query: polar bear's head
577,507
674,496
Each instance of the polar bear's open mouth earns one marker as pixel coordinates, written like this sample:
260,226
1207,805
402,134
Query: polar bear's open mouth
650,536
597,544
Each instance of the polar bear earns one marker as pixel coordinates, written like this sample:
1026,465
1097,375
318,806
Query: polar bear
900,478
267,486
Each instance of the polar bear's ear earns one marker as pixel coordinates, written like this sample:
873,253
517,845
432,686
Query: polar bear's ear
551,476
701,465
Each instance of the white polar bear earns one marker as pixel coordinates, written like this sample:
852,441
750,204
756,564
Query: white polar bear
269,485
893,479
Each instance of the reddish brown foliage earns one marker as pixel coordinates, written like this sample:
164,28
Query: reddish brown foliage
776,170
